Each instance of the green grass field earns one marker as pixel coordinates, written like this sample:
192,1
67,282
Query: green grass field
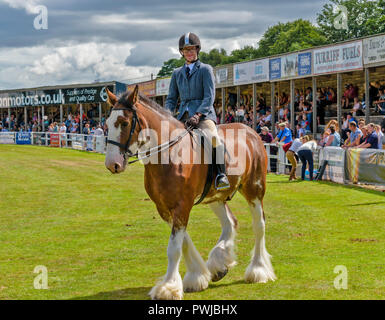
100,237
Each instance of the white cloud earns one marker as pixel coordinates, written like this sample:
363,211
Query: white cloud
30,6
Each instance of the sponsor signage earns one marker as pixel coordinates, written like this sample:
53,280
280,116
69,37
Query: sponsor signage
7,138
54,97
335,157
162,86
54,140
147,88
344,57
275,68
23,138
251,72
221,75
374,49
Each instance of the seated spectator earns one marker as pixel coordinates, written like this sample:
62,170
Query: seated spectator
371,141
240,113
266,135
354,136
357,108
380,103
284,135
334,139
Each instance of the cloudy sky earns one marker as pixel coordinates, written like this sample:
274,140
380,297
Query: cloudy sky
95,40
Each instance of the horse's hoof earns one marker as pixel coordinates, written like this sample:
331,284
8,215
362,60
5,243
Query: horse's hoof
219,275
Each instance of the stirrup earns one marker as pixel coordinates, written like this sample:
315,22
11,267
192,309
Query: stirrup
225,185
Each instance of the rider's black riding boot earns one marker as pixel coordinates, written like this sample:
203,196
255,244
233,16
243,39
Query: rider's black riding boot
221,181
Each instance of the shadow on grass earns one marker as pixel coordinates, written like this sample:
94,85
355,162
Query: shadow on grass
139,293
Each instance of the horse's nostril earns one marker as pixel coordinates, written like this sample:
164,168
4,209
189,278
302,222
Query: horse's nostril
116,167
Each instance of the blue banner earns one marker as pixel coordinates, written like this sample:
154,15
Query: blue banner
275,68
23,138
304,64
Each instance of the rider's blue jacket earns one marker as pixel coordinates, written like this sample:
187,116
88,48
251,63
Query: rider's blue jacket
196,93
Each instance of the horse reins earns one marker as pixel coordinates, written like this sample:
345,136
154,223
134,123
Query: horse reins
141,155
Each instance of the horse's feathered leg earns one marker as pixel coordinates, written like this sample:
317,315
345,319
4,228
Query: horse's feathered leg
198,276
260,268
222,256
171,287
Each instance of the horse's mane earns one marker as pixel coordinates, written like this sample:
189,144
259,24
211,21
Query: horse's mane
152,105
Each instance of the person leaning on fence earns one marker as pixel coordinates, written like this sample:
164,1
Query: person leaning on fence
284,135
354,136
305,154
334,139
371,140
292,156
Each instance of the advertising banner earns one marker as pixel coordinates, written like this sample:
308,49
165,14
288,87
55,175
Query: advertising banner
374,49
31,98
365,165
251,72
304,64
7,138
335,157
162,86
289,66
54,140
338,58
275,68
86,95
23,138
147,88
221,75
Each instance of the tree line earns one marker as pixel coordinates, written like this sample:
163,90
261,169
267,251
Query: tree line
339,20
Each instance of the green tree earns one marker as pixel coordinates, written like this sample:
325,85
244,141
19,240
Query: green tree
214,57
169,66
360,18
291,36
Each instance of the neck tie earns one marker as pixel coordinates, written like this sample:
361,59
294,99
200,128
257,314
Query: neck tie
188,72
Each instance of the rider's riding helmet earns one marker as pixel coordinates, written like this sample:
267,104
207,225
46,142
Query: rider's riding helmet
189,39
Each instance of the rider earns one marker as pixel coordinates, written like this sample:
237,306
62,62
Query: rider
194,85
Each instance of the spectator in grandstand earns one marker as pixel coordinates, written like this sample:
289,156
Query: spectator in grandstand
354,136
334,139
309,95
321,105
380,103
383,125
240,113
292,156
229,117
305,153
373,92
300,131
371,141
357,108
86,129
284,135
266,136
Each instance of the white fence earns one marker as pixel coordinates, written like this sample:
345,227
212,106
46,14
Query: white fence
277,161
54,139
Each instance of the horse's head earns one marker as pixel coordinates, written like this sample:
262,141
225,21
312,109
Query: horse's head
123,129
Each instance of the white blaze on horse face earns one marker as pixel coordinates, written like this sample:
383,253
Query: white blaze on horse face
113,154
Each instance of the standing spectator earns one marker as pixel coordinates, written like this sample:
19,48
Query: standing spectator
63,131
305,153
371,141
291,155
334,139
284,135
354,136
380,136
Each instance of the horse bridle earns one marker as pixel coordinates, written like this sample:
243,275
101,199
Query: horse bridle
134,123
144,154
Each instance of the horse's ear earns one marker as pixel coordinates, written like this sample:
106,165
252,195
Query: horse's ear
111,98
134,95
